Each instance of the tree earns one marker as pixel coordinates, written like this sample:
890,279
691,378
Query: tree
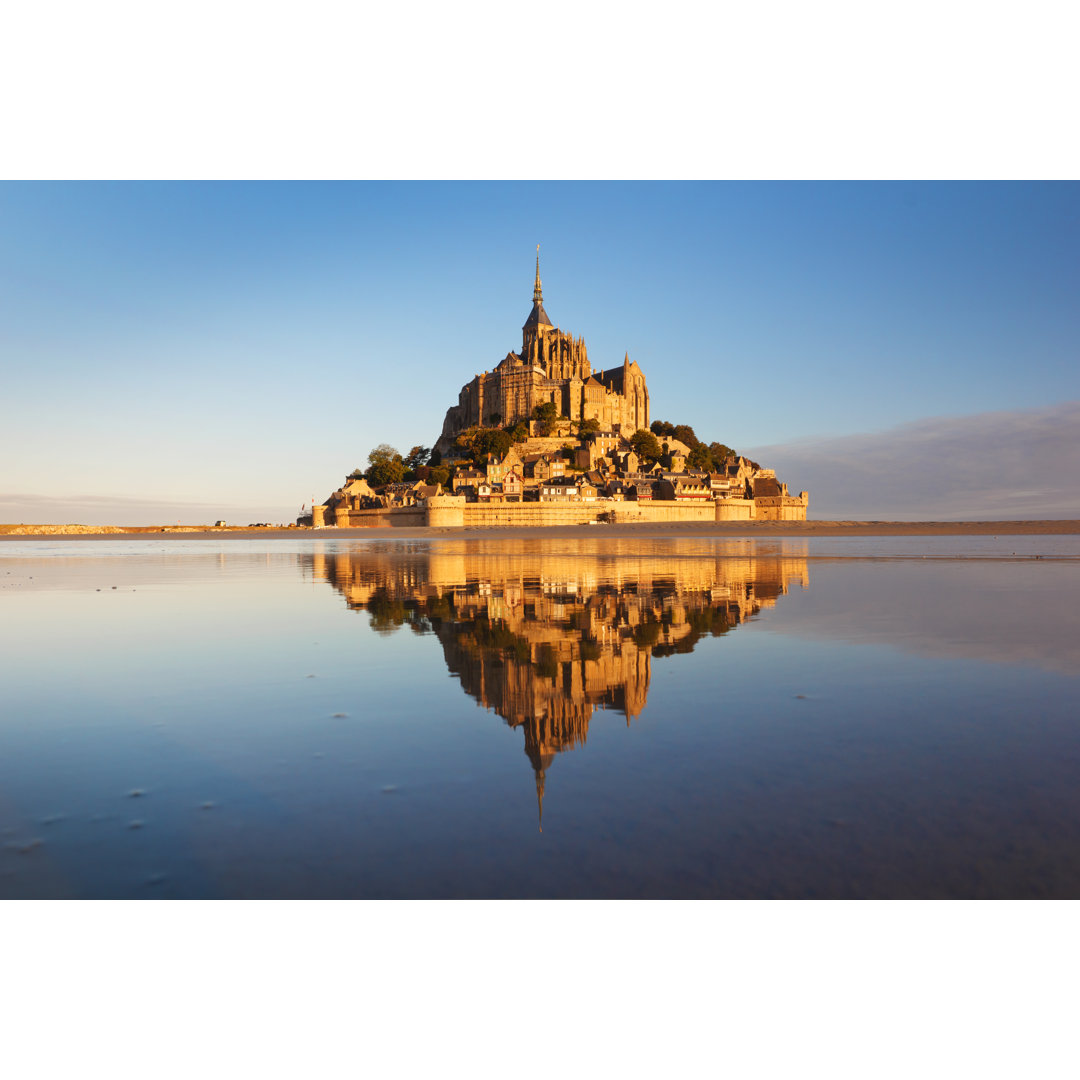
646,446
464,443
476,442
546,414
385,466
701,458
592,424
720,453
661,428
417,456
383,452
439,474
685,434
496,442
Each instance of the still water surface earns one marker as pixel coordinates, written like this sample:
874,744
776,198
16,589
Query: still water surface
684,717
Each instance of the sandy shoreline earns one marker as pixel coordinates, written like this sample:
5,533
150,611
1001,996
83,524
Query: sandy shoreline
673,529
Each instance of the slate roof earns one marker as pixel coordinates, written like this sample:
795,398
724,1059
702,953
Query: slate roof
537,317
612,378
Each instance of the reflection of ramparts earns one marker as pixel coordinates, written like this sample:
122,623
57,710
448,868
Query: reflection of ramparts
544,636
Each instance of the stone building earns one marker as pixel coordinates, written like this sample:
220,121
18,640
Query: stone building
552,366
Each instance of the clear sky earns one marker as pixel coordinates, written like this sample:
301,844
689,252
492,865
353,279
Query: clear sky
232,349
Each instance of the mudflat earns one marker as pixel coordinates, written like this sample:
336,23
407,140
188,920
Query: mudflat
647,529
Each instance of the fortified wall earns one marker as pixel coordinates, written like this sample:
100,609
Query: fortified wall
453,511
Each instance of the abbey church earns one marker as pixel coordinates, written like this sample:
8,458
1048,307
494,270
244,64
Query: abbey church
552,366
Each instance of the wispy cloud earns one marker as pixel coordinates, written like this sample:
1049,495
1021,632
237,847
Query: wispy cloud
1023,464
109,510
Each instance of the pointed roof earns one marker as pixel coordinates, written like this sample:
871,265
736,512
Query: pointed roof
538,316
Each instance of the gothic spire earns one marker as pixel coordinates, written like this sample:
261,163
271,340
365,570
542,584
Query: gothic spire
538,297
538,317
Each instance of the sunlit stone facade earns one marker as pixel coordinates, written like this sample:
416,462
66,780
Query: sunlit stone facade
552,366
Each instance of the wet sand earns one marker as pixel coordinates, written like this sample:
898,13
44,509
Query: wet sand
648,529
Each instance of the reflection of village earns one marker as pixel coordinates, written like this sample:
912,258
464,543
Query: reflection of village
544,638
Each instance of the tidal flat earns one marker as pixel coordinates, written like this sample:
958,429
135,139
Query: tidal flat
585,713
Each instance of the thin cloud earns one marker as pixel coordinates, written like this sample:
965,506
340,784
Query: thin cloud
1023,464
112,510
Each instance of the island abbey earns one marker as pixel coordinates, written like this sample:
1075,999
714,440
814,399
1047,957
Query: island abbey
543,439
552,367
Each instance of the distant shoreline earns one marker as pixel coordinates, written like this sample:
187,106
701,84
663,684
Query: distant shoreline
674,529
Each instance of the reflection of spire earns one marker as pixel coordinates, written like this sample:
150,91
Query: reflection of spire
538,297
540,762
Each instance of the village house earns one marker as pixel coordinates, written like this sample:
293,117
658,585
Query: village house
512,486
587,490
558,489
496,470
567,489
765,486
720,485
355,494
541,467
468,478
689,489
597,446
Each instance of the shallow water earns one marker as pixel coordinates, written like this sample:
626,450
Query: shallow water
678,717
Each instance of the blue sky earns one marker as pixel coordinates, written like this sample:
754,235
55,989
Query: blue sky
200,350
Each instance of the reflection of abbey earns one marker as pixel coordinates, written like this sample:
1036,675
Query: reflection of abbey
551,367
543,439
545,639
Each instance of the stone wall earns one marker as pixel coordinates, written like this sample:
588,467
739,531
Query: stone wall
781,507
452,511
380,518
734,510
479,515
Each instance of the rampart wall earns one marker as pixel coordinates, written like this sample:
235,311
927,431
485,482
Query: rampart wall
781,507
452,511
